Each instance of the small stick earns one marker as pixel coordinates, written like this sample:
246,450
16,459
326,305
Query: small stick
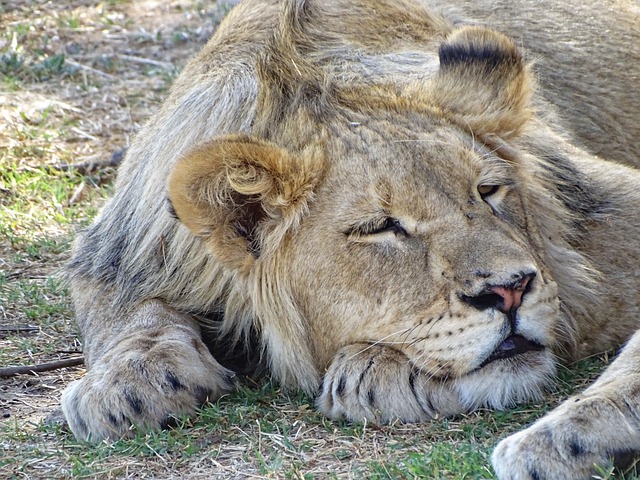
91,165
135,59
86,68
41,367
18,329
147,61
83,167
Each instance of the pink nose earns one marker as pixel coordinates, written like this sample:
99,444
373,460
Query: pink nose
511,295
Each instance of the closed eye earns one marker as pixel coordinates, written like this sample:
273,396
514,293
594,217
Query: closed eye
389,225
378,227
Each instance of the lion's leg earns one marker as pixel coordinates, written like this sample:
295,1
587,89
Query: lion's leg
378,384
146,364
600,425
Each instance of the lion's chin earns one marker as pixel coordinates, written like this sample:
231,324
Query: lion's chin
507,381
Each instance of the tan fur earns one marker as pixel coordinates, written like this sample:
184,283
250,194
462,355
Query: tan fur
388,201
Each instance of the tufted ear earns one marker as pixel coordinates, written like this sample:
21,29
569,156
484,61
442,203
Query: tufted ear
483,82
242,195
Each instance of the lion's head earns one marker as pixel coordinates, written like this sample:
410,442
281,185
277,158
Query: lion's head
418,214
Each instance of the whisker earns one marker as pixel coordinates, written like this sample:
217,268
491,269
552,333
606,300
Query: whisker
416,340
430,374
421,368
377,342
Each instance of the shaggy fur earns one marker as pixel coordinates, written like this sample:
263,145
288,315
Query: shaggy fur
386,203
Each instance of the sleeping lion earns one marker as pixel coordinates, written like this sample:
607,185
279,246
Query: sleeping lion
390,206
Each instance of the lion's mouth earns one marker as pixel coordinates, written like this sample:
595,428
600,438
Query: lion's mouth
512,346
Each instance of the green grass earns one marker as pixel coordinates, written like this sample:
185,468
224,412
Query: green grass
262,431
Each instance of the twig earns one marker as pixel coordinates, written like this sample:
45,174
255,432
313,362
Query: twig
90,165
147,61
19,328
77,193
5,331
90,69
132,58
83,167
41,367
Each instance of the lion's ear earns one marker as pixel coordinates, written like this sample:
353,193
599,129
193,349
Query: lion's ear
483,82
242,195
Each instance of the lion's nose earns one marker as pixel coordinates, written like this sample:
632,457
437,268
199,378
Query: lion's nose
511,294
506,298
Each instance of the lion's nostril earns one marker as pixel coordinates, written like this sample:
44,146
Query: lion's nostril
484,301
506,298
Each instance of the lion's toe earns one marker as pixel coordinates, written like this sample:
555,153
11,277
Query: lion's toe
143,390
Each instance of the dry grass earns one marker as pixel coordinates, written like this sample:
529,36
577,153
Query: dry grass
77,79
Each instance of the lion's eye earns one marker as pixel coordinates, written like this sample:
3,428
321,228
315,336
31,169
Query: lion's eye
388,225
486,191
378,227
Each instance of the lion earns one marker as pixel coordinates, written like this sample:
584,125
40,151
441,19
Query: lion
388,205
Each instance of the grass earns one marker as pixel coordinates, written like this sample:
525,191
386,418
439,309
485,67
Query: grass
261,432
68,95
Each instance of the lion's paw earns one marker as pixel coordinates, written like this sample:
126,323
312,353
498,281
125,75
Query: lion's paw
144,382
568,443
374,384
